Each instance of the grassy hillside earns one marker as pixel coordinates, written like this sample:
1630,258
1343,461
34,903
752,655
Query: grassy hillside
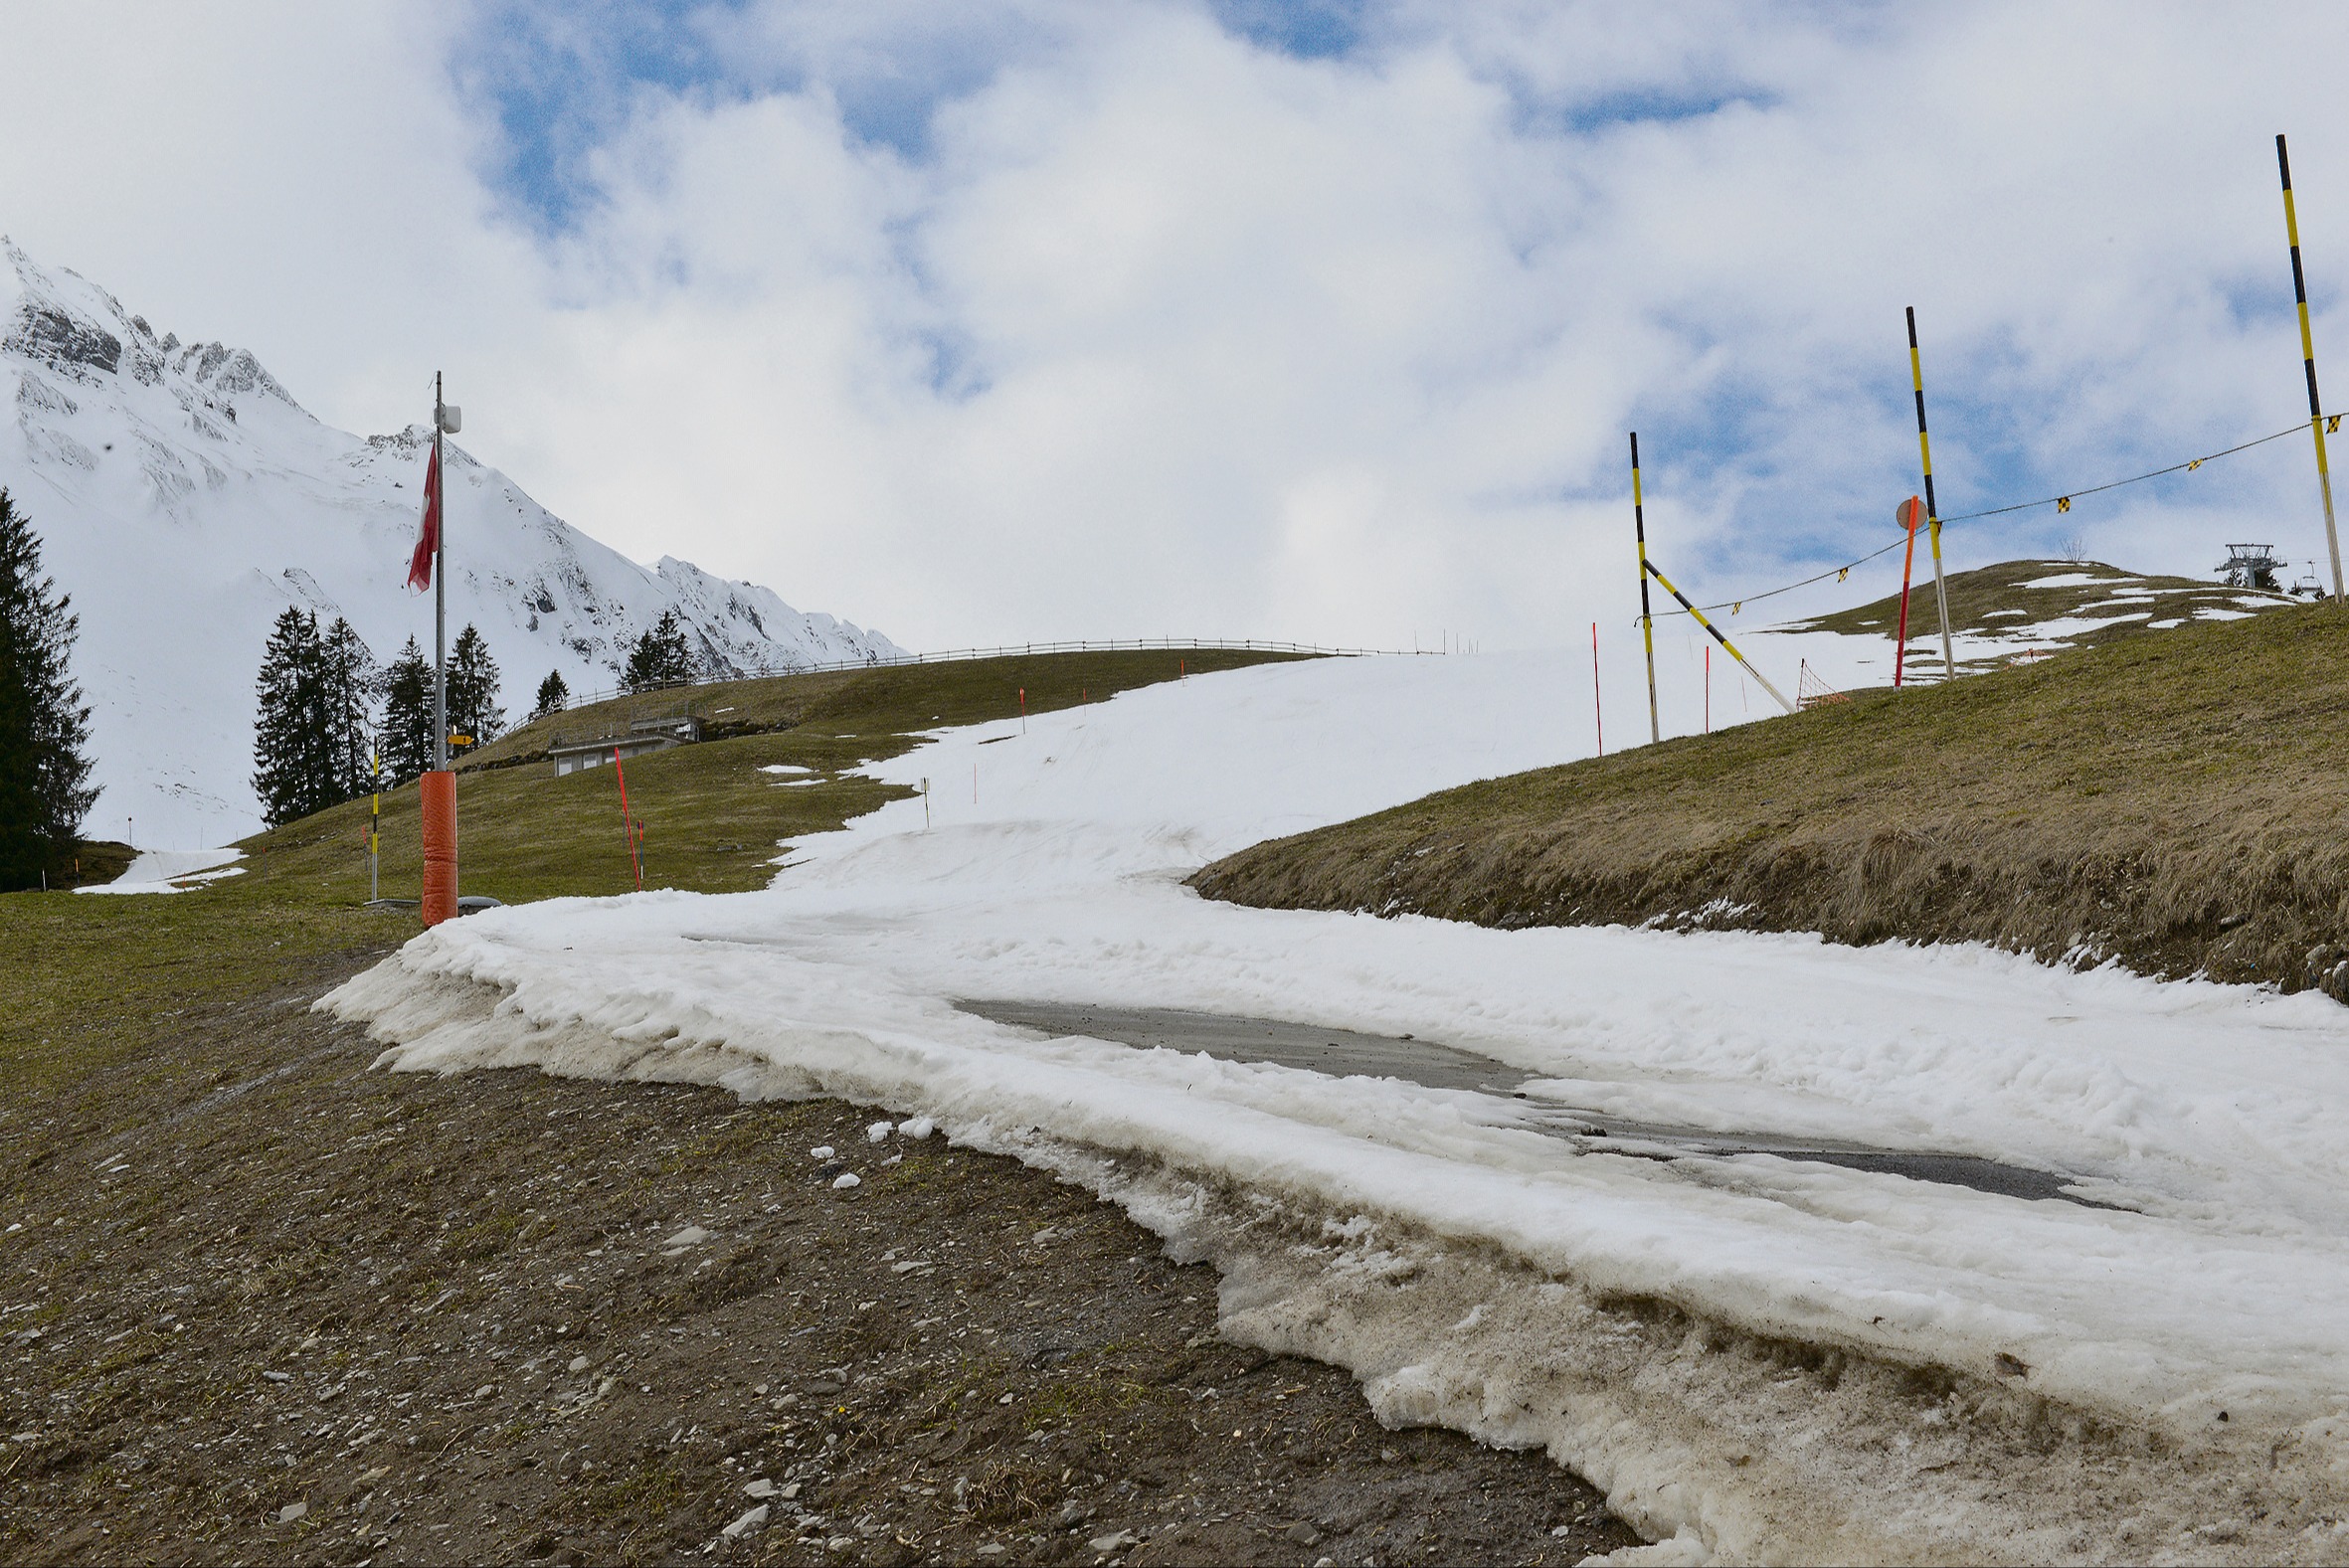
2018,610
2175,801
713,822
98,980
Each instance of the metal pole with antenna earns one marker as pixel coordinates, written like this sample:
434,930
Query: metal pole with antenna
437,790
1647,622
2324,477
1924,450
440,593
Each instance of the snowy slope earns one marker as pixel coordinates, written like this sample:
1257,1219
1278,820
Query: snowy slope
184,499
1787,1359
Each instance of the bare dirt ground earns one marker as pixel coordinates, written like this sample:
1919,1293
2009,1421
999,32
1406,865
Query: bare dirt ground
260,1303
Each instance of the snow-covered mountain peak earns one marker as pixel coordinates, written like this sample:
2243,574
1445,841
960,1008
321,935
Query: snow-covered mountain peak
186,498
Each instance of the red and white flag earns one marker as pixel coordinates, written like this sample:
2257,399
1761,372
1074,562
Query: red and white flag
420,565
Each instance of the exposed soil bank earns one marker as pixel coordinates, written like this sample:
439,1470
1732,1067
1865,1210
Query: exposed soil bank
2171,800
267,1305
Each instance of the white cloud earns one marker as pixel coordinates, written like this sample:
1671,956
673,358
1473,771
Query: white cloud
1159,331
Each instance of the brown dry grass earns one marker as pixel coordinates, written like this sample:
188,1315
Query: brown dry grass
2173,800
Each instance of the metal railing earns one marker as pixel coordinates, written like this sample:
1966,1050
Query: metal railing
956,655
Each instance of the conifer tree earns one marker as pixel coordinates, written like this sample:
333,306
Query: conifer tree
44,726
661,657
352,686
294,764
473,690
407,733
553,694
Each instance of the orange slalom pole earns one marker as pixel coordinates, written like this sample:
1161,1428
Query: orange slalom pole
1908,514
628,826
1599,710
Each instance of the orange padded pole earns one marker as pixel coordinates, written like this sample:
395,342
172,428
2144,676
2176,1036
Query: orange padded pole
439,848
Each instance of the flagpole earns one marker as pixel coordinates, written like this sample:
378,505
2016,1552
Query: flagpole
437,790
439,595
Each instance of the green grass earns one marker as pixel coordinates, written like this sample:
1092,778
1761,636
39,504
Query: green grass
97,980
2004,597
2175,801
713,823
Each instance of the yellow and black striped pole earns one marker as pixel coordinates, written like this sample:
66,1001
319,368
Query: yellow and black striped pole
1649,568
1647,622
375,831
2324,474
1924,453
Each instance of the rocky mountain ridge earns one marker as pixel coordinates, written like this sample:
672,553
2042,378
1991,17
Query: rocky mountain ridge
185,498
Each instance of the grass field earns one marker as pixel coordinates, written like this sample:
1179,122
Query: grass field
2173,800
97,979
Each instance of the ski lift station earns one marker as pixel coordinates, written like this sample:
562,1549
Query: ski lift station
2253,566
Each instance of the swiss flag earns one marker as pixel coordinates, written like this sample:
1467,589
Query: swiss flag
420,565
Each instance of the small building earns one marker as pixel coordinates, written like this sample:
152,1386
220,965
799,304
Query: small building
577,752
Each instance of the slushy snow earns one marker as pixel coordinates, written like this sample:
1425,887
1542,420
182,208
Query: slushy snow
1976,1376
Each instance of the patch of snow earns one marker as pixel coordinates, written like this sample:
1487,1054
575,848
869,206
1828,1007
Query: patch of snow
2206,1114
2082,580
172,871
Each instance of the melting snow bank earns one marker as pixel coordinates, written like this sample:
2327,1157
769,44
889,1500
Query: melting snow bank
172,871
1757,1422
1767,1357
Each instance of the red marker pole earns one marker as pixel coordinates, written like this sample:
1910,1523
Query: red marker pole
1023,710
1598,712
628,826
1910,513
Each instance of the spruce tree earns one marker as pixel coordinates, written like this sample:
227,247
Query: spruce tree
352,686
293,770
44,726
661,656
473,690
407,735
553,694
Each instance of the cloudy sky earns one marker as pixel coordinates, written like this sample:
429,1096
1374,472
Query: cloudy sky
989,321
